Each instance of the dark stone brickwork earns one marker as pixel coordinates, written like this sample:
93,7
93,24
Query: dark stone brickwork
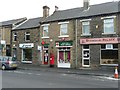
34,38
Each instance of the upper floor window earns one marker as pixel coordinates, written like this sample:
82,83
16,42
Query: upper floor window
27,36
45,31
63,29
109,26
85,28
15,37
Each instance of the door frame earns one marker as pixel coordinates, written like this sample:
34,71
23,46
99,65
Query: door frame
85,58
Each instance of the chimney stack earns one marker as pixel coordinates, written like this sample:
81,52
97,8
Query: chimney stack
86,4
56,8
45,11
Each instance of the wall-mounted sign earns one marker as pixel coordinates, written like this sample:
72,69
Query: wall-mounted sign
100,40
40,48
26,45
64,44
3,42
43,42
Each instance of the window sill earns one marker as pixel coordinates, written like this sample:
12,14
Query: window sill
27,62
108,33
62,36
45,37
85,34
109,64
27,40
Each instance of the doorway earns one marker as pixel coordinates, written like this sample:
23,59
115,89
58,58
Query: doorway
86,56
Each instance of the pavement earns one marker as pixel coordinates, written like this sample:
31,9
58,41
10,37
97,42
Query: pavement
81,71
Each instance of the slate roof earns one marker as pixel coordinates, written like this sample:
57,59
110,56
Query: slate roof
30,23
11,22
98,9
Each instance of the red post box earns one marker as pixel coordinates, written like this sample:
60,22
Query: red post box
51,60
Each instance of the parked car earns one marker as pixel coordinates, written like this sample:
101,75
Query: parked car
8,62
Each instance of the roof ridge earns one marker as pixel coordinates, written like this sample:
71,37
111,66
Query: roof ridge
13,19
20,24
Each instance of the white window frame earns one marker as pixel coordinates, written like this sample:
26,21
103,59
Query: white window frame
45,25
105,23
14,36
64,23
109,46
26,34
86,23
64,27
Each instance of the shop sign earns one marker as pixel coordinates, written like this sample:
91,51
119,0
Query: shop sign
64,43
100,40
26,45
40,48
3,42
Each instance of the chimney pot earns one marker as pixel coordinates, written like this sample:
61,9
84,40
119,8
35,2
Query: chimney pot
45,11
86,4
56,8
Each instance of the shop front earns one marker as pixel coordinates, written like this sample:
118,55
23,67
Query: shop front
64,54
104,49
26,52
45,54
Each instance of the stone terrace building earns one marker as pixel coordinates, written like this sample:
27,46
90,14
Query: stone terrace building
5,35
82,37
25,41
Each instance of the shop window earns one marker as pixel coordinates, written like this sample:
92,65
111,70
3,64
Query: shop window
85,28
109,26
109,54
15,37
27,36
63,29
8,50
64,55
14,52
109,46
27,55
86,47
45,31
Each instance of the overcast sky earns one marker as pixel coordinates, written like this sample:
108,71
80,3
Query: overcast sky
13,9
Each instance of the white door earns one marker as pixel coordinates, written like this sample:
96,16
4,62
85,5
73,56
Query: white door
86,56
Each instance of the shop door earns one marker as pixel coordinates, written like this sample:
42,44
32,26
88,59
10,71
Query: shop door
64,58
86,56
45,56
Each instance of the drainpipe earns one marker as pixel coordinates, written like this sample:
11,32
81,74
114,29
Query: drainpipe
76,41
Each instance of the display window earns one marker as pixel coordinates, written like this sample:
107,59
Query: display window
27,55
64,57
109,54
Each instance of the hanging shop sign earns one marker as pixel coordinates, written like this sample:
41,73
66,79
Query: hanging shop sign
40,48
43,42
64,44
26,45
100,40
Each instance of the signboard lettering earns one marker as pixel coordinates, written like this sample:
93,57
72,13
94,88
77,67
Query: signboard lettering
99,40
64,43
26,45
